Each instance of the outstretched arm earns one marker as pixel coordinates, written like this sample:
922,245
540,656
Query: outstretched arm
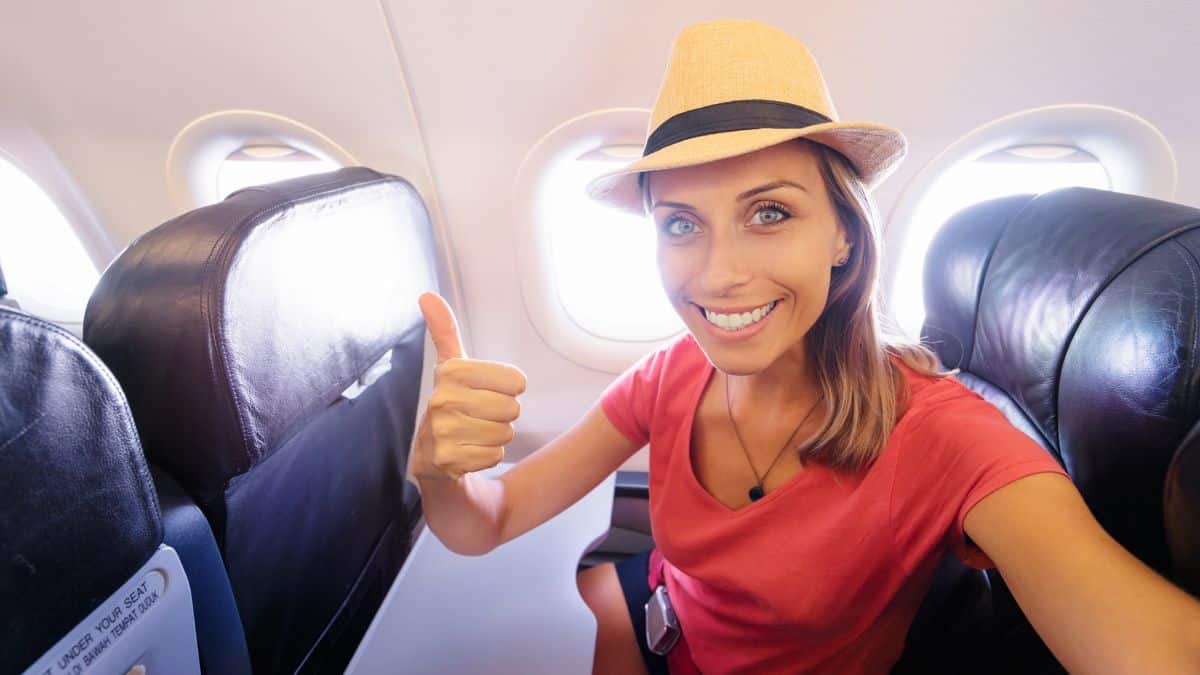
1098,608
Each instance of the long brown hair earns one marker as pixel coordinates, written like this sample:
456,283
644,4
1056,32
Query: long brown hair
851,342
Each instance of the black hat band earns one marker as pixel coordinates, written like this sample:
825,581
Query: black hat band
731,116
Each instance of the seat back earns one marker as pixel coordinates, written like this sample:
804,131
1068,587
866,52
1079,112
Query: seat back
85,581
1075,313
238,331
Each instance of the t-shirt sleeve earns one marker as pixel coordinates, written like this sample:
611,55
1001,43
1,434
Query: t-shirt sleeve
962,450
628,402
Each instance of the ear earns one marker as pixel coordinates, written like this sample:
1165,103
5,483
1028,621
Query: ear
843,245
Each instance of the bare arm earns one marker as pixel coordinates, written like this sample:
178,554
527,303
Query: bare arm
548,481
464,428
1098,608
474,514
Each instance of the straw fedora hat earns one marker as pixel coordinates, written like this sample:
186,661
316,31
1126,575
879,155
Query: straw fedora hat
733,87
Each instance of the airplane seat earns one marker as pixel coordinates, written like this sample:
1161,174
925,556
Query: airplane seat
219,633
1075,313
240,332
86,584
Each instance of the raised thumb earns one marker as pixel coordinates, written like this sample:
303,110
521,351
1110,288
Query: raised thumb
442,326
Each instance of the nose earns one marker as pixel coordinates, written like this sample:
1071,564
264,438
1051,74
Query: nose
725,267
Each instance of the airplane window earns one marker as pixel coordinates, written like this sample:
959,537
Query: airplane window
604,261
262,164
1014,170
45,265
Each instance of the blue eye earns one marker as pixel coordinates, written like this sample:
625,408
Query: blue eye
769,215
679,226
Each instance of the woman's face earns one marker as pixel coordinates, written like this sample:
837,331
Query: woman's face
745,249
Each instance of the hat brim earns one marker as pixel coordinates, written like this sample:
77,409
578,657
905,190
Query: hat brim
874,149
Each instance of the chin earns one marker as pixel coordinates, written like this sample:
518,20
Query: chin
737,364
731,359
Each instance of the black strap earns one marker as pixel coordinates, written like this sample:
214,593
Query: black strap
731,116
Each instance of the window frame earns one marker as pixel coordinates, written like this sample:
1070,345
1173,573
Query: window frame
200,148
1135,154
30,154
534,248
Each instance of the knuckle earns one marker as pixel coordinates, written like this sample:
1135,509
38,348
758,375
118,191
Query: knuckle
438,400
441,460
440,426
450,368
448,459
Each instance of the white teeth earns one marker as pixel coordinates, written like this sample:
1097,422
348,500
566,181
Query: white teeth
739,321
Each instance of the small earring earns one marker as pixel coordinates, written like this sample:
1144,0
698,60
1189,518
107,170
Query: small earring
843,261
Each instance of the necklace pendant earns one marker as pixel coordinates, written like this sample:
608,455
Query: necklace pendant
756,493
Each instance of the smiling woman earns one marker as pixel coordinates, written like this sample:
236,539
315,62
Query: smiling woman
808,469
768,248
789,233
770,258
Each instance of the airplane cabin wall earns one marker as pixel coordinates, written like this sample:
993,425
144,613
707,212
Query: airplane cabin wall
108,86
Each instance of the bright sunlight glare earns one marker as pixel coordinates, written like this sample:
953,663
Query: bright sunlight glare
46,268
604,261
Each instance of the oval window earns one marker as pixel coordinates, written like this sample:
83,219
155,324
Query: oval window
604,260
589,274
45,265
1030,151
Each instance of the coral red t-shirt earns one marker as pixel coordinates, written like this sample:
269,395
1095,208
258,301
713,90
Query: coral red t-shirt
825,573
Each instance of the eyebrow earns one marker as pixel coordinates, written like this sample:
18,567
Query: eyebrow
743,196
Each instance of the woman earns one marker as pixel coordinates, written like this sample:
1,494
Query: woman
806,475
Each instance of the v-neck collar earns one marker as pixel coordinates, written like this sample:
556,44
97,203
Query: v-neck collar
694,481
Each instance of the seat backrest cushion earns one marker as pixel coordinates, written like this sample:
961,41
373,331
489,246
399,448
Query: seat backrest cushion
1074,312
78,514
235,329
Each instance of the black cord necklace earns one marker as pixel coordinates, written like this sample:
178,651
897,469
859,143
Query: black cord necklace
756,492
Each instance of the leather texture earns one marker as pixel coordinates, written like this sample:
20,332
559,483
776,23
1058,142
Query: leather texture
1074,312
234,330
79,514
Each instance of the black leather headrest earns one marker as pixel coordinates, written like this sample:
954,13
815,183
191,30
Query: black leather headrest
79,514
1076,312
230,324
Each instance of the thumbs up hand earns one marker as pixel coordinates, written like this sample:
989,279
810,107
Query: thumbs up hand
468,419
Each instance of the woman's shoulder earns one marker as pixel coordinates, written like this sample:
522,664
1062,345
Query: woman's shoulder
944,406
922,385
944,402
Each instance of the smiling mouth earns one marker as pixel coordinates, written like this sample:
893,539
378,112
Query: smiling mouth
734,321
